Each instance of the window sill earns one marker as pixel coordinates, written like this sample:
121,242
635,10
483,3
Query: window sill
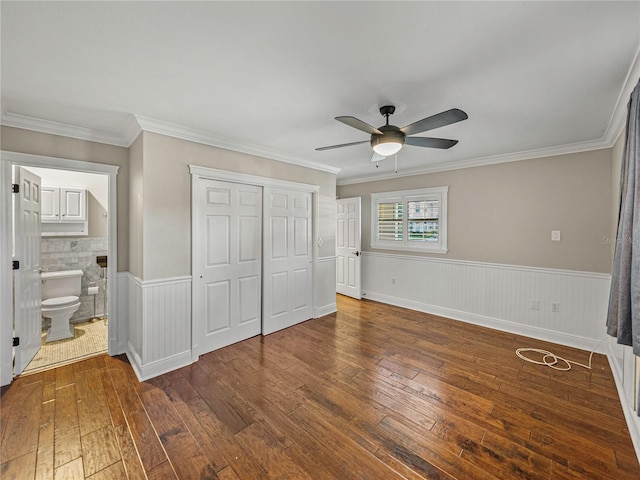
403,248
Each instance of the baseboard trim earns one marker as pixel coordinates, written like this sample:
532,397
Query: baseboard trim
121,347
159,367
631,417
575,341
134,360
325,310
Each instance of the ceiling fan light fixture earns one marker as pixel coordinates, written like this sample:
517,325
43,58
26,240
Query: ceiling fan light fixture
389,143
387,149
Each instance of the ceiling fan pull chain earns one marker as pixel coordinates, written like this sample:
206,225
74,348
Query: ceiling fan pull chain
396,158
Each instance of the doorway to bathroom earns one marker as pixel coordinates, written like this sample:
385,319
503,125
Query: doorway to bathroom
86,244
74,240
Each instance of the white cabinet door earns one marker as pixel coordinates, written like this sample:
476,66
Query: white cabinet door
228,264
64,204
288,289
348,247
73,204
50,204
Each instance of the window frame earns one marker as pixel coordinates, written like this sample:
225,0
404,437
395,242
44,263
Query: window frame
439,194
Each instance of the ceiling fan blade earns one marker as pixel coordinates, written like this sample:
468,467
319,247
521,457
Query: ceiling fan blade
341,145
430,142
376,157
359,124
438,120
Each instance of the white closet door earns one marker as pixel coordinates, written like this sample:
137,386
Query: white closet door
288,289
27,318
229,263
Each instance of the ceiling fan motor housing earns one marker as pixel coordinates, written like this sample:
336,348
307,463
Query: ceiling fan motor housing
390,134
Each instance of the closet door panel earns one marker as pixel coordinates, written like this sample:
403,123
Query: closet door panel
229,264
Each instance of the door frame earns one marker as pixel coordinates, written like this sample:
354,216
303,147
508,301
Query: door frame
7,161
198,172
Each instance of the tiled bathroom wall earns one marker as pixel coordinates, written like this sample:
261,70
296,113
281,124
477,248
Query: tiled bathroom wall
75,253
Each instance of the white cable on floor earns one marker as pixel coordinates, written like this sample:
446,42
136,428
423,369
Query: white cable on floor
551,360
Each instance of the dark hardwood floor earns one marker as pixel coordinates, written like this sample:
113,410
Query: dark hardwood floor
372,392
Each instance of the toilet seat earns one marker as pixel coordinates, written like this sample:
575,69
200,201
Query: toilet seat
59,302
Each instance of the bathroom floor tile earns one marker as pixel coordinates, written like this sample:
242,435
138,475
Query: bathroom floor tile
90,338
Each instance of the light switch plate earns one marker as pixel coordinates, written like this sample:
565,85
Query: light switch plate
555,235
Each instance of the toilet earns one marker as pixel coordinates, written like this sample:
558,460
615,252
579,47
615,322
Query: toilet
60,301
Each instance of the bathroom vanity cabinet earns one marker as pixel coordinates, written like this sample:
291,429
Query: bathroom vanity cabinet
64,211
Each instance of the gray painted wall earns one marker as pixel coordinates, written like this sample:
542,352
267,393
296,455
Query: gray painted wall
505,213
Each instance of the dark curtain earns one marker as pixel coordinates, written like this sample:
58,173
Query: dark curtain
623,317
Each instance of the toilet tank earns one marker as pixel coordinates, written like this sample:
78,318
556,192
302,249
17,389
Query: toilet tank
61,284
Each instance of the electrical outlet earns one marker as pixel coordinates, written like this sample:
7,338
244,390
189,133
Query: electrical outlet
535,304
555,307
393,281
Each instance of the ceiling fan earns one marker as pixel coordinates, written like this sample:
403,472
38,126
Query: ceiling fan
389,139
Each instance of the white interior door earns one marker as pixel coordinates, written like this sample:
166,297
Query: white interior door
26,243
229,264
348,247
288,257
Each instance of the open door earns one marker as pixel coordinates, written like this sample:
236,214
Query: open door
27,320
348,247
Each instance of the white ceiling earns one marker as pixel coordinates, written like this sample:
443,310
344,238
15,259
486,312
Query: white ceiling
269,77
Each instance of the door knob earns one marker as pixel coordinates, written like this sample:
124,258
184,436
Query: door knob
356,253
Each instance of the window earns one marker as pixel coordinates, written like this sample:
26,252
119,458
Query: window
414,220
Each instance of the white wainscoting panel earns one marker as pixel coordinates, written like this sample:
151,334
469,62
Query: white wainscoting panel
167,318
493,295
159,325
325,287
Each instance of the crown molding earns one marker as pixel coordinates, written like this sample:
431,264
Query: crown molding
205,138
131,130
137,123
617,122
483,161
26,122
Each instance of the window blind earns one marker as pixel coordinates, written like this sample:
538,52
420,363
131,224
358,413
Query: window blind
390,221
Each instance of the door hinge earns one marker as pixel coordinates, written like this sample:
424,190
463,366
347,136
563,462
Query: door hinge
15,188
16,264
16,341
